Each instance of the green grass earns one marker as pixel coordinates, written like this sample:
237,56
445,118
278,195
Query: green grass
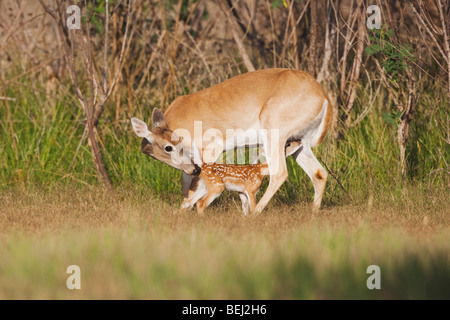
133,246
134,242
48,150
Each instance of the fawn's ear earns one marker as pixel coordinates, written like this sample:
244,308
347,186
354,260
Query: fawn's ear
196,157
158,119
141,129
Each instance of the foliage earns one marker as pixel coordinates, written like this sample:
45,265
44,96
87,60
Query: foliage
44,143
277,3
394,58
48,134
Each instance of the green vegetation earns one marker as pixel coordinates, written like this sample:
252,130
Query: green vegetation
133,241
45,150
134,246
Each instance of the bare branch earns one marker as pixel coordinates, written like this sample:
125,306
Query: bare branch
243,52
429,32
356,70
48,10
313,41
116,7
119,66
329,36
105,52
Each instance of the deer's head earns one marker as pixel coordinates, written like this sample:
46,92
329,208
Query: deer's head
163,144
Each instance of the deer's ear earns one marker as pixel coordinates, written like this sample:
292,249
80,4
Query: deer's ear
196,157
141,129
158,119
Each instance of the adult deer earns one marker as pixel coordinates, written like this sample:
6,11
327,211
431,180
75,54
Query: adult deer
280,105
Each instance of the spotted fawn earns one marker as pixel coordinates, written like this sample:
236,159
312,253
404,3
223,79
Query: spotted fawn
214,178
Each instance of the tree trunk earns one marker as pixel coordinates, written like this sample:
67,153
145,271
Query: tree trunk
356,69
96,154
402,136
403,127
237,38
313,42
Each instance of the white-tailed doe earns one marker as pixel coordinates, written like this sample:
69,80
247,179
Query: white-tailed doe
280,105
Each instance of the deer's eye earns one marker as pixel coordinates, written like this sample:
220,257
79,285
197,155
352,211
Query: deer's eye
168,148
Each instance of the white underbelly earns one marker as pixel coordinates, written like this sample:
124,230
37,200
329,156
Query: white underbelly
234,187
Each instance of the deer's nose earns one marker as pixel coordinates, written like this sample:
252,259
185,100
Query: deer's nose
197,170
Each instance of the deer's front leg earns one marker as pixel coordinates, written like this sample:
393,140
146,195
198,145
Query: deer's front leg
197,191
186,184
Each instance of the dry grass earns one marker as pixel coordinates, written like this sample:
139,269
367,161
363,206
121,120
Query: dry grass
37,211
132,246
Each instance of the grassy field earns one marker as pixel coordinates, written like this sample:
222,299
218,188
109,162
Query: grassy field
132,242
132,246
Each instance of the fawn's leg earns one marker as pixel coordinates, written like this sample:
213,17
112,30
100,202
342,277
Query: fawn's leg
213,192
252,199
245,202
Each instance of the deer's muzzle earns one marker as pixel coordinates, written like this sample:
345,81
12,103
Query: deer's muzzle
197,170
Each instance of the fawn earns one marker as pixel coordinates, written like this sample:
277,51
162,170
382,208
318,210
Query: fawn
214,178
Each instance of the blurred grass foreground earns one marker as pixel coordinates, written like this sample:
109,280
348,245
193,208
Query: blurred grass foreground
139,247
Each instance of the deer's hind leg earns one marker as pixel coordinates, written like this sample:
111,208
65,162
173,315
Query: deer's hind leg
318,175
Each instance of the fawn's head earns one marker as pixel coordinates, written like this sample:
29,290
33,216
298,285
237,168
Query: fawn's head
292,146
163,144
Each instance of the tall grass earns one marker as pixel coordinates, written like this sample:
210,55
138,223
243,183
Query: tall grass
50,149
177,50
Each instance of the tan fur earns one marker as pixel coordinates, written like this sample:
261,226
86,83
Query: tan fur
283,99
266,93
328,120
220,176
217,176
156,149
